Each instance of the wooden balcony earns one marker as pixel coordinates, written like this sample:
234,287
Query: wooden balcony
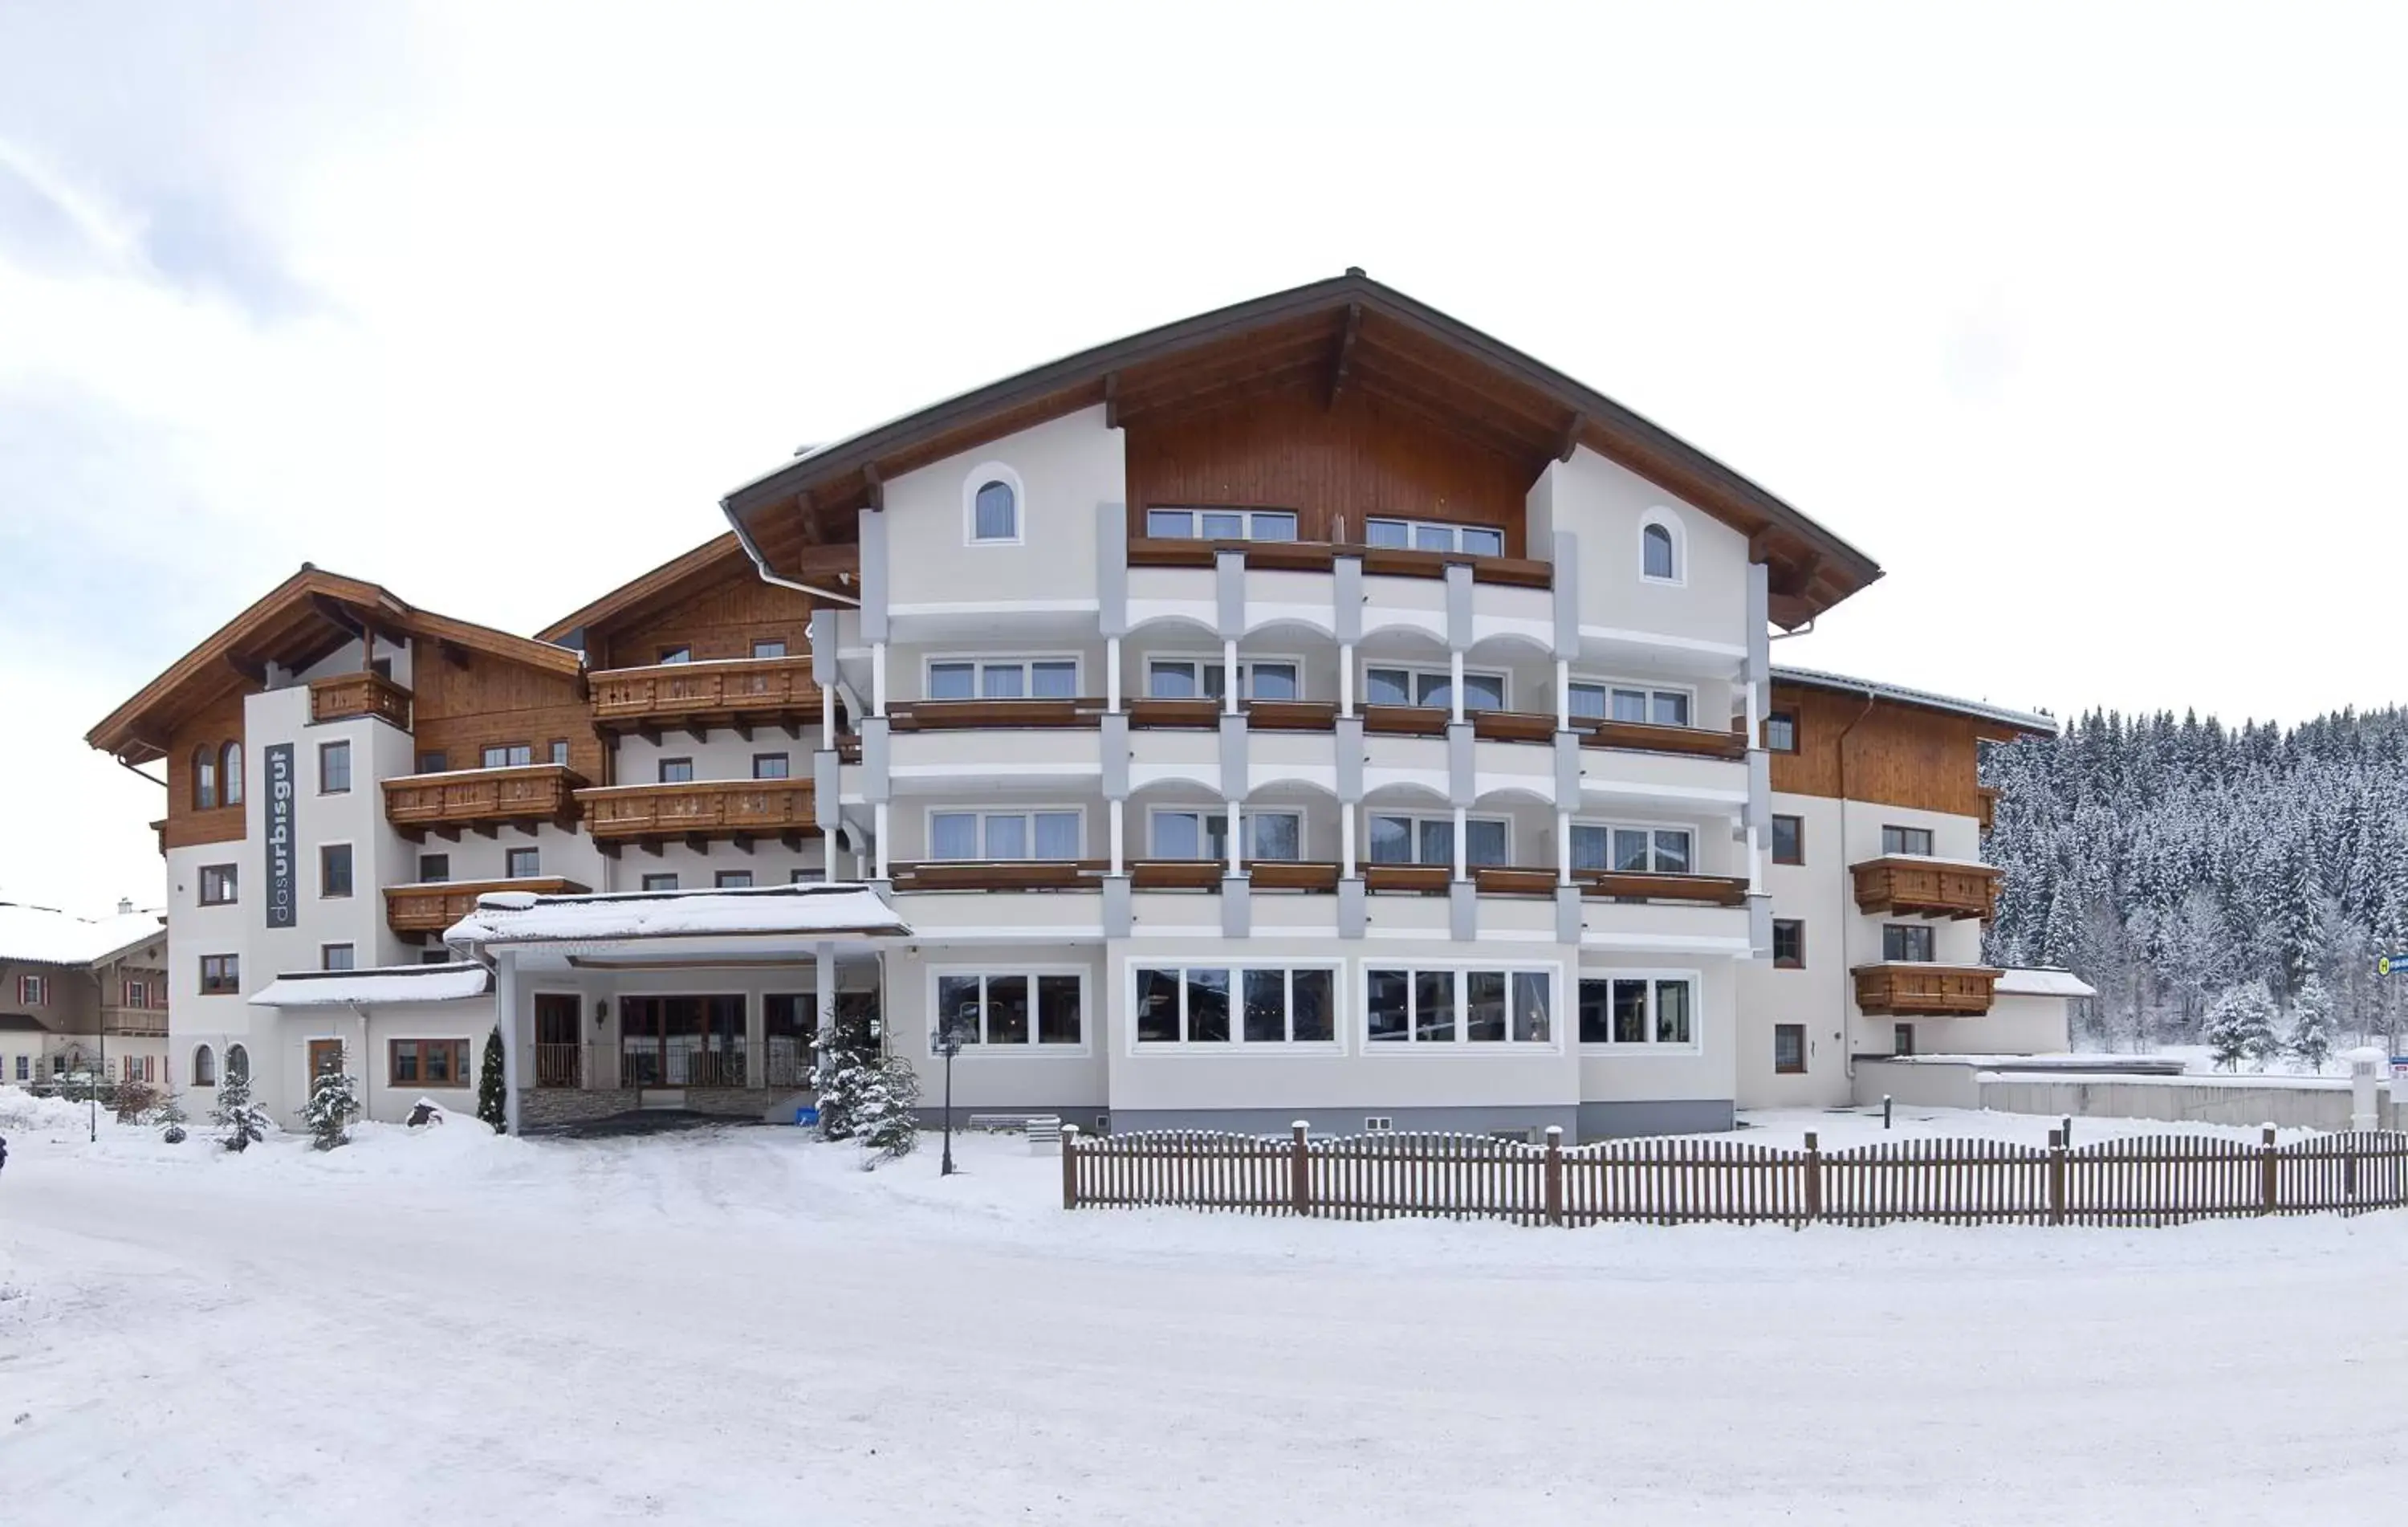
1907,990
1404,721
1176,874
699,810
1987,795
482,800
1632,885
1409,879
1645,737
134,1022
1322,556
1292,875
1905,885
990,714
997,874
737,695
346,697
1204,714
414,910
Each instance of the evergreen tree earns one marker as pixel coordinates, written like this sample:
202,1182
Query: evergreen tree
333,1103
2311,1023
840,1055
170,1116
2241,1026
493,1101
240,1124
884,1095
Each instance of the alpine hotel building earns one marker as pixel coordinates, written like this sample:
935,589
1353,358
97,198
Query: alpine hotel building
1312,709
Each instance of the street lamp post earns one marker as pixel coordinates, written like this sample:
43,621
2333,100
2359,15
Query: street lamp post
946,1040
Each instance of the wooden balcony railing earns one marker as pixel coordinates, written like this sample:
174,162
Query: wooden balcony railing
433,908
1261,715
344,697
1715,890
1419,879
1292,875
1320,557
988,714
1643,737
997,874
1176,874
699,809
1909,989
1908,887
481,798
1987,795
737,694
1404,721
134,1022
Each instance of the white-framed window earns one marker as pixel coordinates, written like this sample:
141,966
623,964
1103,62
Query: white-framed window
1634,848
1220,523
997,1011
1663,550
1915,842
1419,1005
1417,838
335,957
1220,1007
768,646
507,755
1651,704
1434,536
1398,683
1203,833
137,994
33,991
1909,942
991,504
661,882
1650,1011
1207,678
1023,834
1003,678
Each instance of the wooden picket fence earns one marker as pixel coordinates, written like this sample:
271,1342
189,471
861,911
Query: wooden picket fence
2153,1180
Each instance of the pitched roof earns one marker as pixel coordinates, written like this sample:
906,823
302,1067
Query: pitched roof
47,936
1409,353
2026,721
293,625
712,559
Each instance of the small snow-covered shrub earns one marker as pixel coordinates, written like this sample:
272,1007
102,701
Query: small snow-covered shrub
174,1134
877,1096
133,1100
492,1104
333,1103
240,1123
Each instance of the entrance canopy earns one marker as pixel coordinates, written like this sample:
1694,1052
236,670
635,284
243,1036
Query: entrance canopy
376,987
635,930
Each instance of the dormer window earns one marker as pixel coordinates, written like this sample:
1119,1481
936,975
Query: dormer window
995,513
1659,557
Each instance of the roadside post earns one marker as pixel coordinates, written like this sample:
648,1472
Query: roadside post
2367,1065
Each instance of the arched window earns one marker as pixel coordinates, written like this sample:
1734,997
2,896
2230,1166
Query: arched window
205,777
1657,558
995,515
204,1067
230,773
237,1063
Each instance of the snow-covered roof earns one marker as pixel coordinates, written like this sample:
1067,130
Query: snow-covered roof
1817,679
377,986
2045,981
46,936
761,911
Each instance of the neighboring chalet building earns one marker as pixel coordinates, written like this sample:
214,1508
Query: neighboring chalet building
1311,709
82,997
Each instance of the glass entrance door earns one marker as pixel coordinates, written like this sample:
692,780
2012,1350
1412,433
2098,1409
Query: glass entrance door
682,1041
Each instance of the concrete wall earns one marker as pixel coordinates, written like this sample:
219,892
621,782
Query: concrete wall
1066,467
1604,506
2241,1101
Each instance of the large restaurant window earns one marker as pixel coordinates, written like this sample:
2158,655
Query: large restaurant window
1015,1008
682,1041
1452,1007
1246,1005
1641,1009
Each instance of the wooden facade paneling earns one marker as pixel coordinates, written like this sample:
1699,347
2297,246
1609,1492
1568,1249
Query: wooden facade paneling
217,723
722,618
1332,465
467,701
1897,754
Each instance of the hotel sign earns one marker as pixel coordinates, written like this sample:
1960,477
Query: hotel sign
281,902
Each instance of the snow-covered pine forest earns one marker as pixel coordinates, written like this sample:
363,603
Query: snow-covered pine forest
2188,871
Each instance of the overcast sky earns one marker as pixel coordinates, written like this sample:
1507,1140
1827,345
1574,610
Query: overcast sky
2087,325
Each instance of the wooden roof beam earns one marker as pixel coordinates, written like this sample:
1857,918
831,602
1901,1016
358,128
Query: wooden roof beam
1345,355
876,485
1111,400
1571,441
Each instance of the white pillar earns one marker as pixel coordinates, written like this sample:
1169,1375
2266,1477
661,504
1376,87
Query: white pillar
1229,684
1112,675
827,717
1346,678
1563,694
822,994
1454,682
1462,834
1236,839
878,678
1346,865
1117,811
506,1015
885,855
1563,845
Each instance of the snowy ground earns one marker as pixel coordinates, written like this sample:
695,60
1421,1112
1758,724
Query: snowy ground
735,1326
